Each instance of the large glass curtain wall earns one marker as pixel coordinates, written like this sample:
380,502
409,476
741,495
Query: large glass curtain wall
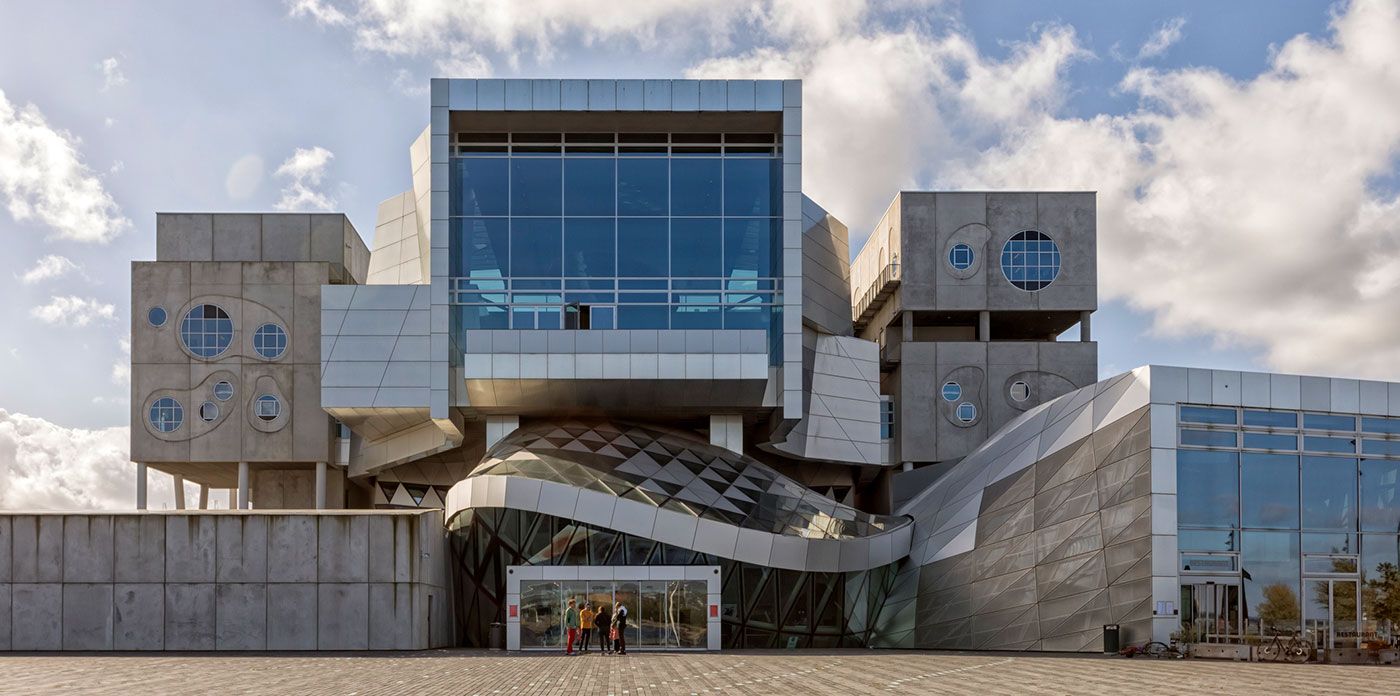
1302,510
615,230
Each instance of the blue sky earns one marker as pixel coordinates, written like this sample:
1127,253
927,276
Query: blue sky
128,110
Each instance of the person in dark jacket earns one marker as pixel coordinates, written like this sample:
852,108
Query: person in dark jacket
620,624
603,622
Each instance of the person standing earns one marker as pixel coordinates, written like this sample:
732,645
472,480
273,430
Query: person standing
586,623
603,622
620,629
571,626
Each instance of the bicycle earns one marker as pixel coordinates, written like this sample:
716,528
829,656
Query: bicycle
1156,649
1295,649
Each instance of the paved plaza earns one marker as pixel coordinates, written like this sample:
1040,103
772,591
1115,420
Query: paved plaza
809,673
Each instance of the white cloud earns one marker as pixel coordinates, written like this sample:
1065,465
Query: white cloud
74,311
44,466
304,171
112,75
121,369
43,178
1166,35
48,267
244,177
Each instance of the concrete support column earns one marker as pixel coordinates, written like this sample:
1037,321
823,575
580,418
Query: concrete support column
203,497
140,486
179,482
1085,334
320,485
498,427
984,325
243,485
908,321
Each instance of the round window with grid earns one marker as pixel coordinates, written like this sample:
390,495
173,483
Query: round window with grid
206,331
1030,260
967,412
961,257
167,414
223,390
270,341
267,407
952,391
1020,391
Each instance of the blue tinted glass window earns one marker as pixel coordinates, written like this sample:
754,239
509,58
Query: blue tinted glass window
1208,488
1389,448
481,317
538,247
960,257
952,391
166,414
696,316
479,186
270,341
749,248
695,247
643,248
588,248
1208,438
1273,441
1030,260
695,186
1326,421
1329,493
1329,444
967,412
1271,419
643,317
1389,426
481,248
1201,414
536,186
602,317
267,407
223,391
588,186
206,331
1269,483
1269,565
752,187
1208,540
156,316
642,186
1380,495
742,317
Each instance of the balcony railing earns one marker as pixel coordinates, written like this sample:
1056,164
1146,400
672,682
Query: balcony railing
874,296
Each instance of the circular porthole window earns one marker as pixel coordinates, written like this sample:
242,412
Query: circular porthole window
206,331
167,414
967,412
270,341
267,407
1030,260
961,257
223,390
156,316
1020,391
952,391
208,411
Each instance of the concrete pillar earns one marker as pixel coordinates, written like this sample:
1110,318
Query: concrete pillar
203,497
140,486
320,485
243,485
984,325
179,482
727,431
1084,333
908,326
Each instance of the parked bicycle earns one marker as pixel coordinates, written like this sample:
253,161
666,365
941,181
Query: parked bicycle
1294,648
1154,649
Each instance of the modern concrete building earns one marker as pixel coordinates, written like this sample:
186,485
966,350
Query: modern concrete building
606,334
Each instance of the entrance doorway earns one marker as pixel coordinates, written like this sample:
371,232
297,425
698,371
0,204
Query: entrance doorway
1212,611
1330,612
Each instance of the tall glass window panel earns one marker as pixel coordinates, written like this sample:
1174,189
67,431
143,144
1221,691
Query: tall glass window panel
752,186
696,248
480,186
1208,491
642,186
643,248
1269,483
540,252
1329,493
1380,495
1270,563
749,249
588,186
695,186
589,250
481,250
536,186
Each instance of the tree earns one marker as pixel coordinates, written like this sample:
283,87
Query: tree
1279,611
1382,594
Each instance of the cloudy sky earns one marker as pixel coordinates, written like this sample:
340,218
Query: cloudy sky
1245,155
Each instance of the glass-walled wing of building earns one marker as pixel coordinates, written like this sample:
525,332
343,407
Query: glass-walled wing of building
615,230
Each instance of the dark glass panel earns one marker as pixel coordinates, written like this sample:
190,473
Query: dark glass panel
1208,438
1202,414
696,317
751,248
1271,441
643,317
588,186
1389,426
536,186
753,187
642,186
1329,493
479,186
589,247
695,186
1208,540
1380,495
696,247
1207,488
538,245
1269,483
1271,419
480,248
642,247
1327,421
1312,443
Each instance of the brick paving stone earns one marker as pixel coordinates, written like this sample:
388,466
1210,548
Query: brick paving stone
810,673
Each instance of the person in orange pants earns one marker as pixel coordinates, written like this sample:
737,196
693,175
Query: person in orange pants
571,623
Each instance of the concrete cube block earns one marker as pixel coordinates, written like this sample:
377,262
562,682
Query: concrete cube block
291,549
36,616
138,616
37,552
138,548
87,616
241,616
342,621
343,549
291,616
189,548
87,548
241,552
189,616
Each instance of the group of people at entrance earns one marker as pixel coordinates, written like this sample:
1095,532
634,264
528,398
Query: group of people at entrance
609,626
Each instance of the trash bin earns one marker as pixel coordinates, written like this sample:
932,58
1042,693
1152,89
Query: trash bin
1110,639
497,638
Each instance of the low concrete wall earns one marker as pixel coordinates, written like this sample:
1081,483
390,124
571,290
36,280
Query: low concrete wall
224,580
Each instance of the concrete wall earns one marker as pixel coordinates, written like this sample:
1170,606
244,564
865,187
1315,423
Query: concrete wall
224,581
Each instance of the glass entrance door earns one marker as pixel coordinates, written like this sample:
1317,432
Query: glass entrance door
1330,612
663,614
1213,612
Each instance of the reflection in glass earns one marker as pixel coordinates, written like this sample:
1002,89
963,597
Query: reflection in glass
480,186
1270,486
588,248
541,618
481,249
1380,495
536,185
1202,414
641,186
588,186
1207,488
1269,567
642,248
695,248
1329,493
752,186
749,248
695,186
537,241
